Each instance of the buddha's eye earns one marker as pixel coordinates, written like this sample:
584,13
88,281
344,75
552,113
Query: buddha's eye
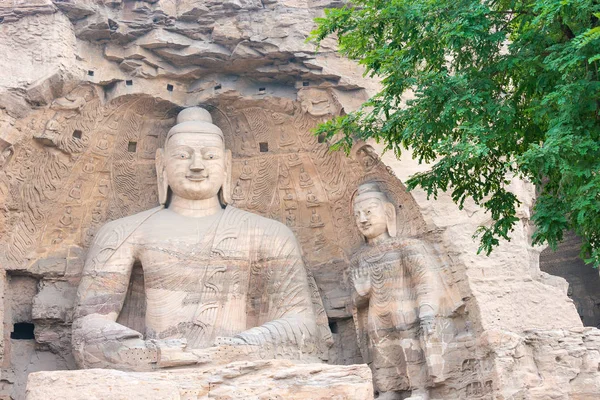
369,212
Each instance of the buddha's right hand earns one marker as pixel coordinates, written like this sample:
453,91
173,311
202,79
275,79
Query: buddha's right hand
225,351
173,353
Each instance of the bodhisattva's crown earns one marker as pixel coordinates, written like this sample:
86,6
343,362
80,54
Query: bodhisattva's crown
370,190
195,120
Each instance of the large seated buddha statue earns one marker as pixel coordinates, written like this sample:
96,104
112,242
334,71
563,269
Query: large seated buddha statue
220,283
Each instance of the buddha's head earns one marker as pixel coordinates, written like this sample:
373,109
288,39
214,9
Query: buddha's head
194,163
374,213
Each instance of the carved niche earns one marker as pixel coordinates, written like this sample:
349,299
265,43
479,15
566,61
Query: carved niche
85,162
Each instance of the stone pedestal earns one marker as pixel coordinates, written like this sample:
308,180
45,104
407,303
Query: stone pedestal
272,379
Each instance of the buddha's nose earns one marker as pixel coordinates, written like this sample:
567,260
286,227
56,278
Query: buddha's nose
362,217
197,165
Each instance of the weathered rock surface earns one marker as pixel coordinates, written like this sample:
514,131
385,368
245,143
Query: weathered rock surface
276,379
89,89
583,280
549,364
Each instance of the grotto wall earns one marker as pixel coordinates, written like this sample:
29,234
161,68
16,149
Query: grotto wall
89,90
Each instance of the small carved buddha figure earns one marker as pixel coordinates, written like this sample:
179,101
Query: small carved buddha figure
89,167
75,192
67,218
289,201
290,219
315,220
294,160
57,237
246,172
102,143
89,235
395,299
97,213
284,178
153,199
367,157
149,146
246,145
320,239
238,193
285,138
311,200
305,180
114,121
103,187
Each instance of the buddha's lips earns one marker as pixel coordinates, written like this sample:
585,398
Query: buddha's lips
195,178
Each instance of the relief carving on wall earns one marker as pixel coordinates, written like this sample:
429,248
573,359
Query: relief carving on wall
82,168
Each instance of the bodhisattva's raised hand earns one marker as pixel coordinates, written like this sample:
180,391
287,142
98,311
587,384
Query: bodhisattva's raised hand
361,280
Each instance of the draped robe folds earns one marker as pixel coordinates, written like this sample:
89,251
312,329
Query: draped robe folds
242,277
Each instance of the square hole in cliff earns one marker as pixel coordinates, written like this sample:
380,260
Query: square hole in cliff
90,73
218,87
77,134
132,147
333,326
129,82
22,331
264,147
170,87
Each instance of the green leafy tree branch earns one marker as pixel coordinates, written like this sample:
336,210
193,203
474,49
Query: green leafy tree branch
498,89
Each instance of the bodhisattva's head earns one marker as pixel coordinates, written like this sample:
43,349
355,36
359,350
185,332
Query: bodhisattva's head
375,215
194,164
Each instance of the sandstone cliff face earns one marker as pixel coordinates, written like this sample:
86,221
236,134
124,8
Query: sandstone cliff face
89,89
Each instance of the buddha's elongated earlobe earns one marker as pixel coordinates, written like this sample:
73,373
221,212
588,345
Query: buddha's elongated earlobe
161,175
390,216
225,192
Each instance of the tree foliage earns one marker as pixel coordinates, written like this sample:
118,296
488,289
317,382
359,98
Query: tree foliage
499,88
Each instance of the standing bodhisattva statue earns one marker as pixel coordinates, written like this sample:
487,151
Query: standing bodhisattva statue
395,300
220,283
